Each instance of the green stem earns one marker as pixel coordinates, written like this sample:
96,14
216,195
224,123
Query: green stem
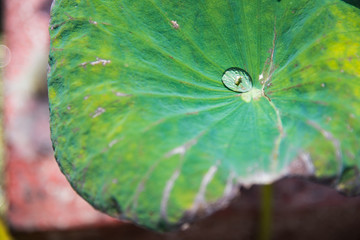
264,232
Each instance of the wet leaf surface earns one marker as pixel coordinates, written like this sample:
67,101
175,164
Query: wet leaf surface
144,128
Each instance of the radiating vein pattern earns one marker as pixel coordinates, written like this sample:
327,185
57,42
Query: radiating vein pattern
144,128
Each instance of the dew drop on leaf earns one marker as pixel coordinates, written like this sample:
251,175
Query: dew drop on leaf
237,80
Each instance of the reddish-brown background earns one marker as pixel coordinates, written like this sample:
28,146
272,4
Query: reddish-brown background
38,194
42,204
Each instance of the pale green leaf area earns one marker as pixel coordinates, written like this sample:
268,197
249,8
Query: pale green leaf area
144,128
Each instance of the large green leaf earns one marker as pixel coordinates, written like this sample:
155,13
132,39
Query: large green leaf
144,128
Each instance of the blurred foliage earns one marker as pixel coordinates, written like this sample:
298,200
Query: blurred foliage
2,153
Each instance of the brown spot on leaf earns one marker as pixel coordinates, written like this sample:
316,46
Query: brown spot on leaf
92,22
192,113
98,112
174,24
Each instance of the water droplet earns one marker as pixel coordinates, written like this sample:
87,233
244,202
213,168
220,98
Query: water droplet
237,80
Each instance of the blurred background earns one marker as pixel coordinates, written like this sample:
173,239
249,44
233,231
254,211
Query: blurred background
36,201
